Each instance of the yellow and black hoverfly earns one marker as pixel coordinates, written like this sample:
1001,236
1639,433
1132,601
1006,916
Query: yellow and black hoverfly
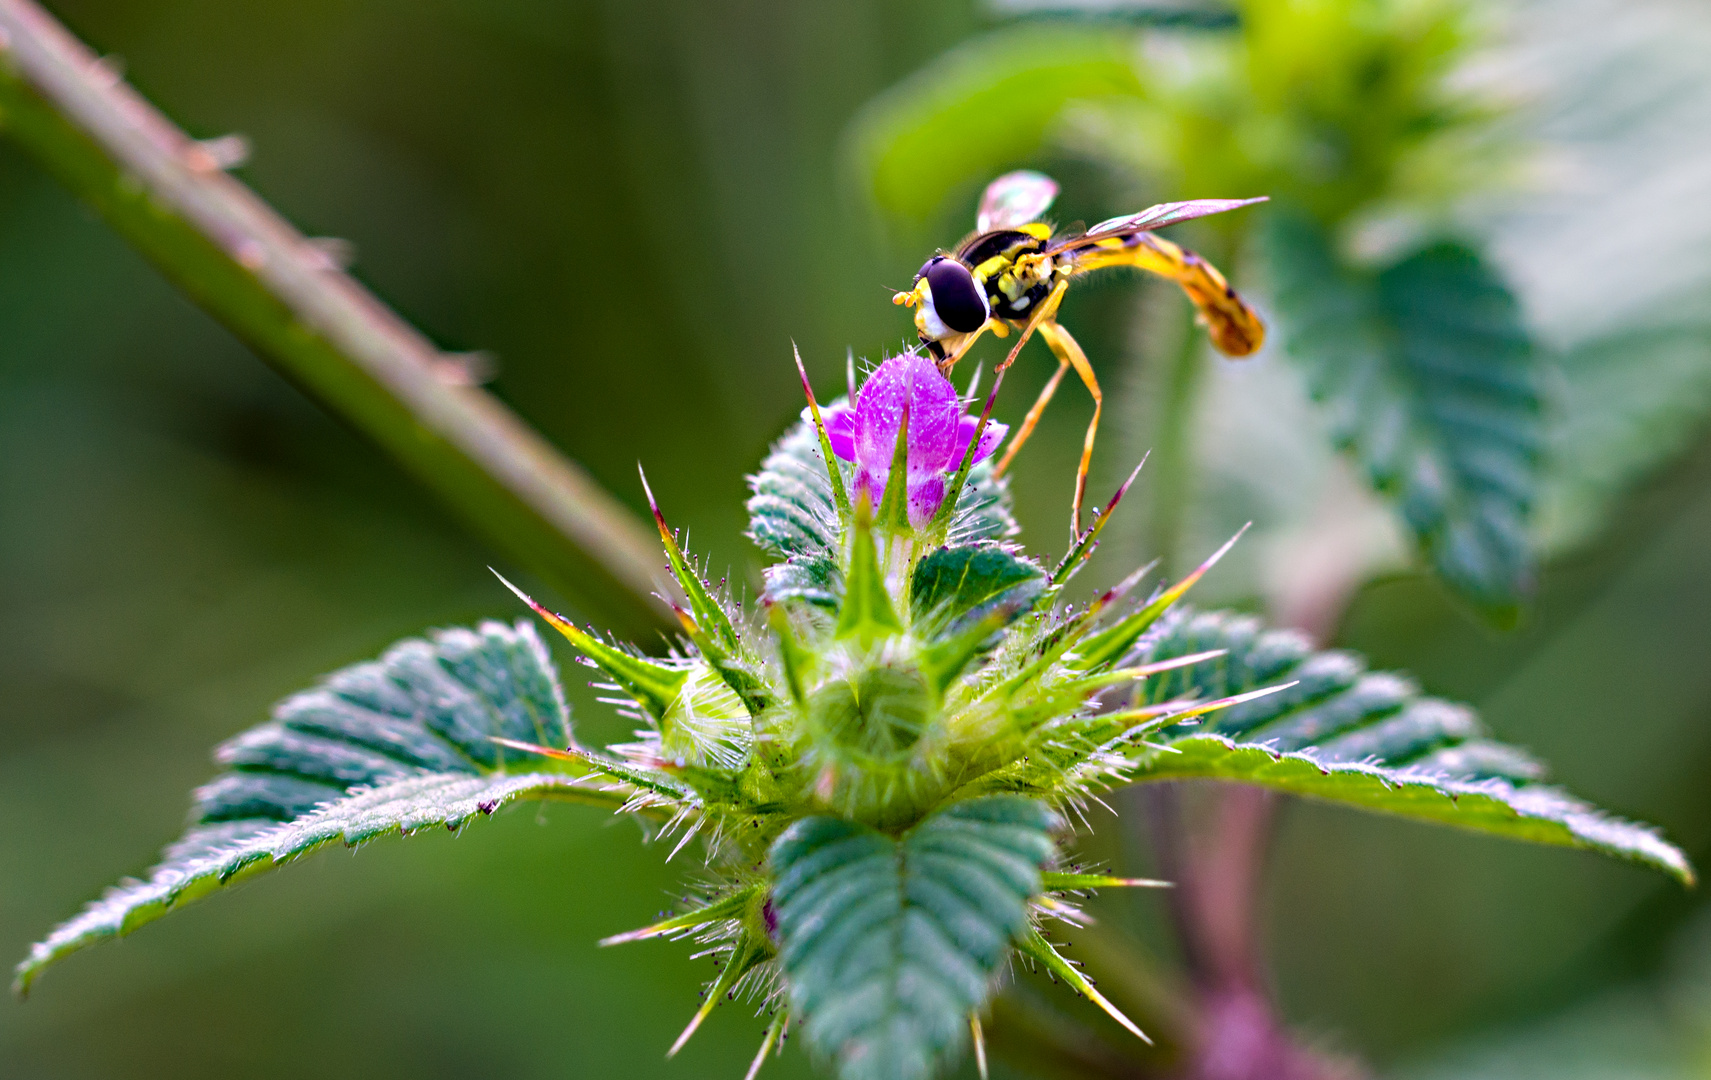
1012,273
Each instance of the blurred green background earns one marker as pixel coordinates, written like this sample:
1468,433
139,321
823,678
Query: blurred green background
636,206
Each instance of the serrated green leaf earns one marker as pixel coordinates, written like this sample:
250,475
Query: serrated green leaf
1534,812
816,581
792,512
1366,739
985,105
953,588
1431,382
888,945
389,747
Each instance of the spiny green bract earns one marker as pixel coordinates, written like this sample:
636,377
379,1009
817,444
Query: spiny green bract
880,758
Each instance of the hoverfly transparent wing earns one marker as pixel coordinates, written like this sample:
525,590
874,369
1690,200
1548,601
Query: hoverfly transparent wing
1015,199
1171,213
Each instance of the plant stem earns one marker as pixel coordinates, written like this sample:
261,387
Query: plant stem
1172,461
214,238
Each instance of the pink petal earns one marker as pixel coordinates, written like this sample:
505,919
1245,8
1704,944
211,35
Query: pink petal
989,439
939,433
840,430
926,495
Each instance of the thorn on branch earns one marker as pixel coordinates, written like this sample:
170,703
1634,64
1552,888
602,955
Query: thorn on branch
466,368
329,253
218,155
109,70
250,255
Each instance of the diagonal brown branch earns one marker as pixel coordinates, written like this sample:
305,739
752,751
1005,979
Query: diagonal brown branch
234,255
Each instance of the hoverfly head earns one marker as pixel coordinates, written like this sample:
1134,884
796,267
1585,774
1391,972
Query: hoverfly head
953,295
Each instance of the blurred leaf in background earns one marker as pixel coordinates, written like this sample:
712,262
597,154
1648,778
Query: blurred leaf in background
635,206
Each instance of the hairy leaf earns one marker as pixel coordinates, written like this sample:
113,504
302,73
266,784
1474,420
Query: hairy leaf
1368,739
388,747
816,581
791,512
1432,384
888,945
955,587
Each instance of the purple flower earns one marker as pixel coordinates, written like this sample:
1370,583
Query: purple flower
939,433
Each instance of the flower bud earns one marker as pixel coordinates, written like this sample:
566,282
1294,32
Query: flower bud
938,437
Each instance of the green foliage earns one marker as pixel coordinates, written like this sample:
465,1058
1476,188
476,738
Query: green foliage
955,587
1330,106
390,747
1369,739
792,513
889,945
1625,403
877,784
1430,382
867,615
989,103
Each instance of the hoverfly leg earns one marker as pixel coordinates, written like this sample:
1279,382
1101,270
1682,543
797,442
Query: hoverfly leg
964,342
1044,313
1068,351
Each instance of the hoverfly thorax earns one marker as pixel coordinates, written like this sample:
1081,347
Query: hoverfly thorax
1012,266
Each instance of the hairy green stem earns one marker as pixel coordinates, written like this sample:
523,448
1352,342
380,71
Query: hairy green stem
231,253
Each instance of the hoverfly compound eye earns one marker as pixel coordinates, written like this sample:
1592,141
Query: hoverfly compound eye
926,266
959,302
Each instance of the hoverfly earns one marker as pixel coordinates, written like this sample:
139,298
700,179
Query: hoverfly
1012,273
